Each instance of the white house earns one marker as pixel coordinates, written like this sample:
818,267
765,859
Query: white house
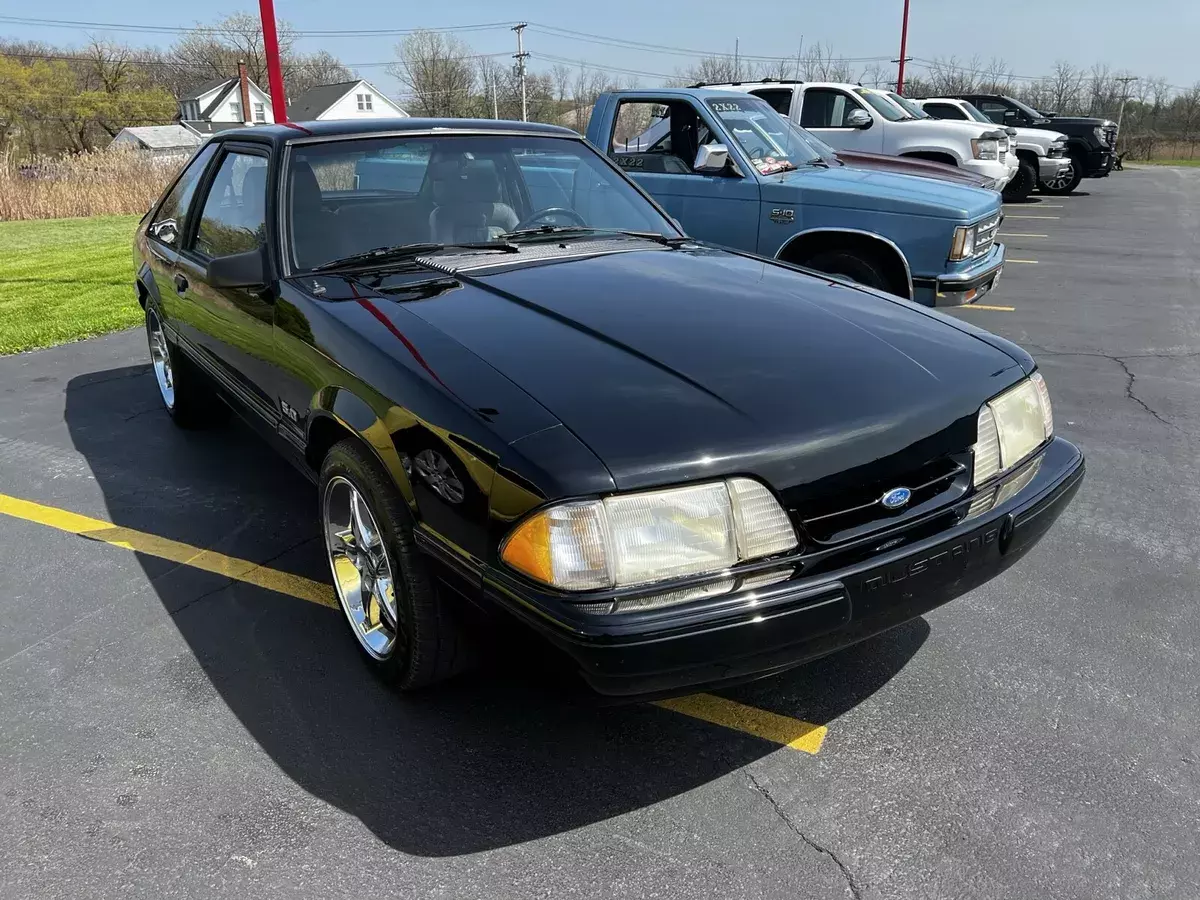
348,100
226,102
159,140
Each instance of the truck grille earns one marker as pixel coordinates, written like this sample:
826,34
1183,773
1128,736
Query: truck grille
859,512
986,236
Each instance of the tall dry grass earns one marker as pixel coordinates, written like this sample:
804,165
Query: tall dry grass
100,183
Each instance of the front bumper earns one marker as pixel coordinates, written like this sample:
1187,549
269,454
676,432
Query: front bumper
999,172
1049,168
749,634
1098,163
963,287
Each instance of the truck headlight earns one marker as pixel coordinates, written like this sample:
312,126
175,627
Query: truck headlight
634,539
1010,427
985,148
1057,150
963,245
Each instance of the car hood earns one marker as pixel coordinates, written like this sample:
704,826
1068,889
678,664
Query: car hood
676,365
1039,135
851,187
1088,121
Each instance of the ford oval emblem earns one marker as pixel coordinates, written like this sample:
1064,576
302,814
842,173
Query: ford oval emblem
896,498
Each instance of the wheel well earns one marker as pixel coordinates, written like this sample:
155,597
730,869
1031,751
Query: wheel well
1028,156
933,157
323,433
807,246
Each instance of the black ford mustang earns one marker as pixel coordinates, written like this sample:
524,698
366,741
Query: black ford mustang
515,382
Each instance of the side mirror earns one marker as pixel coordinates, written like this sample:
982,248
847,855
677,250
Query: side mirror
238,270
711,159
858,118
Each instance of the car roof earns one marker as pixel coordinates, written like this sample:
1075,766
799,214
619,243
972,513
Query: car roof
668,92
293,131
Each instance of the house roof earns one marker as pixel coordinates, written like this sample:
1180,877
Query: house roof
204,127
309,106
198,92
162,137
220,98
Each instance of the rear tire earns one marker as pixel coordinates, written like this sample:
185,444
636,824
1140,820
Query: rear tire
862,269
1022,184
424,645
187,394
1064,184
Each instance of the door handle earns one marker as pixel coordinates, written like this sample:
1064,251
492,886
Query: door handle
181,283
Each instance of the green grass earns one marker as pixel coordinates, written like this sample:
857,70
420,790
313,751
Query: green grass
65,279
1163,162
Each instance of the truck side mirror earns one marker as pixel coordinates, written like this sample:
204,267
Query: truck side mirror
711,159
859,118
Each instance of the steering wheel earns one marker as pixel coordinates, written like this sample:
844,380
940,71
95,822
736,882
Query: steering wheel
530,221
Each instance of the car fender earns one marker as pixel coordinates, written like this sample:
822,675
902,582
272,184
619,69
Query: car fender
878,238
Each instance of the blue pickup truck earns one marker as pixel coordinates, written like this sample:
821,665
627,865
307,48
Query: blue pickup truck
733,171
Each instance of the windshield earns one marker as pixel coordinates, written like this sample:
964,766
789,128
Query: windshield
975,113
773,143
1027,109
350,196
908,106
883,105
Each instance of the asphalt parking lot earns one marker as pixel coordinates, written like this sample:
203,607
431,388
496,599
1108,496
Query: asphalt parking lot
175,722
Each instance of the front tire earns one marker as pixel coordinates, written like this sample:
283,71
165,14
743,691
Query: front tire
861,269
407,636
1065,182
1022,184
187,395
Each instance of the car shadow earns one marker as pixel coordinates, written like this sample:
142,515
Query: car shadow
493,759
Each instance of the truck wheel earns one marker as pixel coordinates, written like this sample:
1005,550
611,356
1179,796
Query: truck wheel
187,393
861,269
406,633
1065,182
1022,184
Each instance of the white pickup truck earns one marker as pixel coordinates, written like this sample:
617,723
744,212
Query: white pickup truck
1042,152
850,117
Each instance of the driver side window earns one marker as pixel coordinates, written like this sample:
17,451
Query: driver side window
656,138
826,108
170,222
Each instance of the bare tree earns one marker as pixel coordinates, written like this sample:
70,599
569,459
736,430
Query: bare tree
437,70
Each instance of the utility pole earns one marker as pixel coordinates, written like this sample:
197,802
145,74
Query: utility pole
495,102
266,11
736,67
799,54
1124,96
519,68
903,50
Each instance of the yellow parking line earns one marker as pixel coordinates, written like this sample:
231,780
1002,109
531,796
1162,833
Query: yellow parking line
1020,234
1032,217
165,548
1028,262
793,733
985,306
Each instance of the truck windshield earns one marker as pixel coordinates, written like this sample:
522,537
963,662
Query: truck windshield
908,106
883,105
773,143
975,113
350,196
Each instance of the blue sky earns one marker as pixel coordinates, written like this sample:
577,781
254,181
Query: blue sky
1148,37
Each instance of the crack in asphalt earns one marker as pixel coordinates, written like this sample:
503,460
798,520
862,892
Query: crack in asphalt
1131,378
851,882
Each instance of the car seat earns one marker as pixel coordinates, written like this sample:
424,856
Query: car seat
468,203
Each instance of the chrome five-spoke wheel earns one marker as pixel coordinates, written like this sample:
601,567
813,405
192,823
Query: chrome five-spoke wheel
362,571
1062,179
160,356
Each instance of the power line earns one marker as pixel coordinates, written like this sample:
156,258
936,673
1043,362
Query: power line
211,29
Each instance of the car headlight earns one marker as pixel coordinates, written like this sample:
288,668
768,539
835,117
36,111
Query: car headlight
985,148
963,245
1101,136
1057,151
635,539
1011,426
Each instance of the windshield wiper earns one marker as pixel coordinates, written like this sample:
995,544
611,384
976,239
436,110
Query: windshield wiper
409,251
664,239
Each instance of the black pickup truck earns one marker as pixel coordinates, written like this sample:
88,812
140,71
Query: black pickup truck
1090,141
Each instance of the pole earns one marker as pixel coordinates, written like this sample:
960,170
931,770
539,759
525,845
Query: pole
736,43
266,11
520,56
495,102
799,53
903,50
1124,96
